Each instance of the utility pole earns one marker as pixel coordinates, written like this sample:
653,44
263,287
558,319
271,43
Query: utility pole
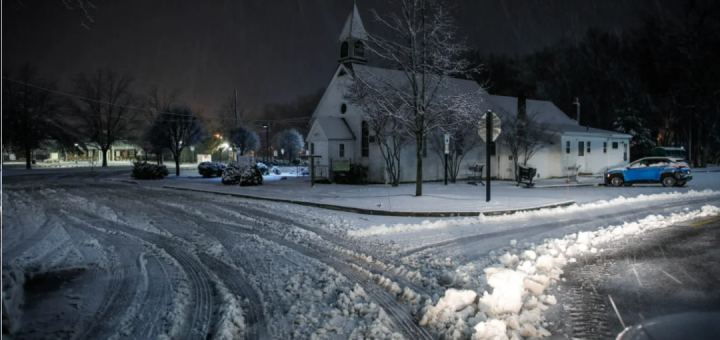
267,143
577,102
488,145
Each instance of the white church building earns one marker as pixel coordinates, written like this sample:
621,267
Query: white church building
338,131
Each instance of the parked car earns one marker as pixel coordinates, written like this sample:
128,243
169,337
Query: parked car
667,171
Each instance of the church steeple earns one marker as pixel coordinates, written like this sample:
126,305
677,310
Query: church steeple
352,39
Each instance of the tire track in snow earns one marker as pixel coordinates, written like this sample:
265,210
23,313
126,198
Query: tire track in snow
399,313
202,307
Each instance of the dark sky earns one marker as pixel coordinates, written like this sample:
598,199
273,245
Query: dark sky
269,50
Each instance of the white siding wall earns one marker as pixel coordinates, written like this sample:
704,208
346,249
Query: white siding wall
596,161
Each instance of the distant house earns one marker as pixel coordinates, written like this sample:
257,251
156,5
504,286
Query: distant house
339,132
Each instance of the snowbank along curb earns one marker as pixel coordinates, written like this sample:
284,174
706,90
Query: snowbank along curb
382,212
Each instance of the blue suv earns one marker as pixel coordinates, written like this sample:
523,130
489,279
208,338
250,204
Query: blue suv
665,170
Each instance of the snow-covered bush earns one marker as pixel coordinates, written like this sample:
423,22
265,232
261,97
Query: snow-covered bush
236,174
263,168
211,169
149,171
275,170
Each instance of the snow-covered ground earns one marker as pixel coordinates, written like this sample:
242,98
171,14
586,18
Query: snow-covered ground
105,259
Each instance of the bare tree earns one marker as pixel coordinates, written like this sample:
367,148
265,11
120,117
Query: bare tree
104,108
177,129
243,139
386,127
31,114
291,141
524,135
426,52
463,139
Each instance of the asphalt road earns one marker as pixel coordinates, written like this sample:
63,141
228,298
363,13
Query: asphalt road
663,272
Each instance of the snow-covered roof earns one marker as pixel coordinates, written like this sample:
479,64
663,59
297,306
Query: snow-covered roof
545,112
353,27
335,128
457,85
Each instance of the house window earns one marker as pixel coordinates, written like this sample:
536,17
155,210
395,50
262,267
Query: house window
344,49
588,149
567,147
581,148
365,139
615,145
604,147
342,150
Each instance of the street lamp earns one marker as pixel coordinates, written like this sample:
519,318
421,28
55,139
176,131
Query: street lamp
267,142
76,154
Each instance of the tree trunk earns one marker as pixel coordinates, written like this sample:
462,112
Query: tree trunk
105,160
177,165
28,160
419,172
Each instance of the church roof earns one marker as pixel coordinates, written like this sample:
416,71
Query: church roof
353,27
335,128
457,85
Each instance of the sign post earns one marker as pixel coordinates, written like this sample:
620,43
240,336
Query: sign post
447,151
489,129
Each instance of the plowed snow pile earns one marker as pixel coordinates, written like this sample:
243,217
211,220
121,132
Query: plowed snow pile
520,281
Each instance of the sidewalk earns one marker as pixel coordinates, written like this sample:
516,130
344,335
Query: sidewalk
438,200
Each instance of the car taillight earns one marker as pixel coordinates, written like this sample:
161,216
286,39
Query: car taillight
677,167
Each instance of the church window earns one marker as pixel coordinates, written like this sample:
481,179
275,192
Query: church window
343,108
359,49
342,150
365,139
344,49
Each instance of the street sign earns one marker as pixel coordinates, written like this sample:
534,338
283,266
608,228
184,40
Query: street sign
495,128
447,143
192,147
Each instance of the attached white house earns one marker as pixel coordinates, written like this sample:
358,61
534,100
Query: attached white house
339,132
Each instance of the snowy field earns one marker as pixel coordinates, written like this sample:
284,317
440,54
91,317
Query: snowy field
105,259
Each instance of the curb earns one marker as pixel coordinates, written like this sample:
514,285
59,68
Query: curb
572,186
66,173
381,212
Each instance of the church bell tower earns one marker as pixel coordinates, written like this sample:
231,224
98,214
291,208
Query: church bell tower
352,40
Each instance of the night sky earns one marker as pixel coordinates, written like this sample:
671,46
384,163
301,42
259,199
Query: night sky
271,51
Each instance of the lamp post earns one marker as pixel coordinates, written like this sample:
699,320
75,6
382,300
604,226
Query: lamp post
76,154
267,142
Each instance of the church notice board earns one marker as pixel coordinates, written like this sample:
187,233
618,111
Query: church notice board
341,164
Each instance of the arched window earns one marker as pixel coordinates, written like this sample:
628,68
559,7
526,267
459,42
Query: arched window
344,49
359,49
365,139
